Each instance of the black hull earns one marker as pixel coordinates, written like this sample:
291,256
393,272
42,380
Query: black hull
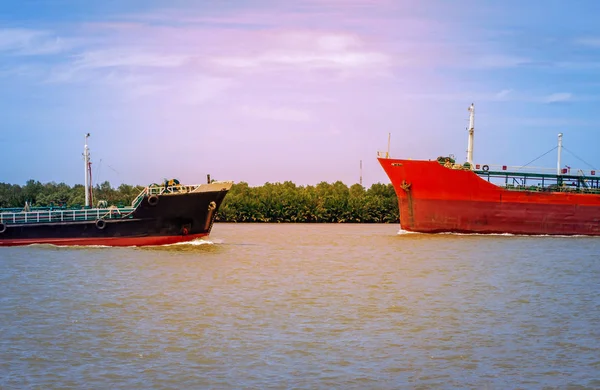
166,218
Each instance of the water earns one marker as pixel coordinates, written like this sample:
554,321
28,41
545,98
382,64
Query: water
284,306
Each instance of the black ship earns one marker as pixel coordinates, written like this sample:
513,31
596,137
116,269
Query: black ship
161,214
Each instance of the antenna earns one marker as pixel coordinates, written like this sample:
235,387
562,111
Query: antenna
361,172
86,158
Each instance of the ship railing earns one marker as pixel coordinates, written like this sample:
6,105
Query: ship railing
157,189
536,170
162,190
55,216
174,189
138,199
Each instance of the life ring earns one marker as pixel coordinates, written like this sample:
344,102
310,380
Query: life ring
485,168
153,200
2,228
100,224
212,205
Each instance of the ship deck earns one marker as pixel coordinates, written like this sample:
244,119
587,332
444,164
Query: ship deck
541,182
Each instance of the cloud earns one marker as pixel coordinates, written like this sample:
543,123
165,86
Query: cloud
128,57
588,41
30,42
243,42
277,113
581,65
555,122
201,88
100,65
558,97
306,60
503,95
306,51
336,42
501,61
161,54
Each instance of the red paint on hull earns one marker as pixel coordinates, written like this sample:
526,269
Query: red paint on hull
105,241
433,198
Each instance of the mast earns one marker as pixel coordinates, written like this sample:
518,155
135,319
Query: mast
88,172
558,164
471,133
388,149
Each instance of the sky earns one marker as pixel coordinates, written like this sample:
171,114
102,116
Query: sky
269,91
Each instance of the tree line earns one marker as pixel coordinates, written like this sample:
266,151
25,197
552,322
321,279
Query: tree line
271,202
37,194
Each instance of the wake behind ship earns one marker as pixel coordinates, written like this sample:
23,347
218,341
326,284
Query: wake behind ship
443,196
161,214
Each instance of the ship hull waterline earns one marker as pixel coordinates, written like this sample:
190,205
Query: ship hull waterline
436,199
107,241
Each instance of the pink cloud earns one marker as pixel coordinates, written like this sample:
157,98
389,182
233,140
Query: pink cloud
277,113
307,50
290,80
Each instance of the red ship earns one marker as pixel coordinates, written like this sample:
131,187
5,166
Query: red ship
443,196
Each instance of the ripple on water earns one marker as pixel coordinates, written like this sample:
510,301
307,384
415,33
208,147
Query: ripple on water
304,306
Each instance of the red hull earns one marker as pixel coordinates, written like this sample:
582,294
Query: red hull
433,198
105,241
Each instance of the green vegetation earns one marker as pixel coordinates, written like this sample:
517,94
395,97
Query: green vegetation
272,202
286,202
52,194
